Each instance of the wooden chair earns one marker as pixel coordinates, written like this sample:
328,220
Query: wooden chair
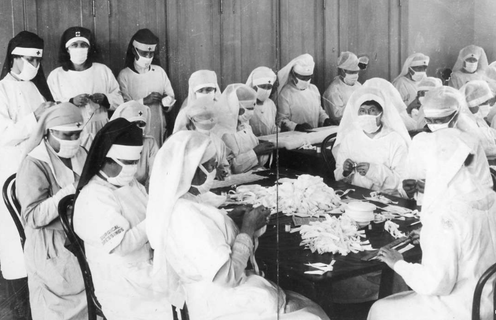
326,152
478,292
76,246
13,205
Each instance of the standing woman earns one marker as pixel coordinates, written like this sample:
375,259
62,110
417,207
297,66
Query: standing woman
23,96
84,82
145,81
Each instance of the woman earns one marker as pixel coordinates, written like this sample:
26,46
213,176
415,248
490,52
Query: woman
49,172
145,81
139,114
471,64
372,142
83,81
263,122
458,238
23,96
201,83
236,107
109,217
298,101
199,251
413,71
344,84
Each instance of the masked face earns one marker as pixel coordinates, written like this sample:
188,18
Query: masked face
418,75
141,61
78,55
470,67
207,185
302,84
125,176
484,110
369,123
441,123
246,116
28,71
67,147
262,94
350,78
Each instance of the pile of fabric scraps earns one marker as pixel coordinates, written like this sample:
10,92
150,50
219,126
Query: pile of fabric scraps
334,235
321,267
306,196
378,197
393,229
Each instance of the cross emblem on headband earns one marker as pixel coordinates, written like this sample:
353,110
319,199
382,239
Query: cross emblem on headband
78,124
38,53
140,113
78,34
149,48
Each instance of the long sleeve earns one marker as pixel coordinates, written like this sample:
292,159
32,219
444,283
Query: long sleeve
124,85
39,206
333,104
233,270
244,158
389,177
456,81
168,86
12,133
133,238
343,154
284,111
113,91
322,116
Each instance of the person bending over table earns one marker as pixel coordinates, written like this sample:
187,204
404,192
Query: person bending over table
458,237
372,142
199,251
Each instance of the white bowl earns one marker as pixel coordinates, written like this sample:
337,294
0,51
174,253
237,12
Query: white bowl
361,212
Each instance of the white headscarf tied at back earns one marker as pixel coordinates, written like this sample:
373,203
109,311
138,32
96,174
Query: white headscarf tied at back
442,102
476,92
261,75
228,107
414,60
391,119
302,64
201,79
133,111
429,83
175,166
392,93
474,52
348,61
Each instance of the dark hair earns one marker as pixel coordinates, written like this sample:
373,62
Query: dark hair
372,103
64,56
144,36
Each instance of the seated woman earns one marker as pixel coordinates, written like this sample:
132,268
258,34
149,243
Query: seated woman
139,114
298,101
199,251
458,237
48,173
263,122
109,216
372,142
413,71
471,64
201,83
235,110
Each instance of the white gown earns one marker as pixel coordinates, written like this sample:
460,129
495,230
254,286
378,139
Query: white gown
459,78
241,144
18,100
136,86
65,85
111,222
386,153
336,96
263,121
407,89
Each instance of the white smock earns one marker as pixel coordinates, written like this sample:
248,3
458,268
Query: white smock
137,86
98,78
406,86
18,100
263,121
336,96
111,222
460,76
458,241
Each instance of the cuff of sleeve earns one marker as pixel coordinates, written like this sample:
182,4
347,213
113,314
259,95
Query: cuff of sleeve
372,173
400,267
244,243
141,101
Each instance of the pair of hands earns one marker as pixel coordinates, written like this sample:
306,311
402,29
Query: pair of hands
391,256
153,98
264,148
361,167
411,186
415,104
221,173
250,219
84,98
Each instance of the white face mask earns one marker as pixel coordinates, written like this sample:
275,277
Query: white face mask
302,84
68,148
210,95
143,62
28,71
78,55
484,110
418,75
471,67
262,94
350,79
125,176
207,185
245,117
438,126
421,100
368,122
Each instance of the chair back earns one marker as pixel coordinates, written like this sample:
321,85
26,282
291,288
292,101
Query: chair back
478,292
326,152
13,205
76,246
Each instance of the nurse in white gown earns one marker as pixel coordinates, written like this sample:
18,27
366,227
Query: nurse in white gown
471,64
199,251
413,71
458,237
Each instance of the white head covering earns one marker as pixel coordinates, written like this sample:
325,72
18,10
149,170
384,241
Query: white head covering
414,60
201,114
302,64
171,179
261,75
475,52
348,61
227,112
476,92
391,119
442,102
133,111
429,83
201,79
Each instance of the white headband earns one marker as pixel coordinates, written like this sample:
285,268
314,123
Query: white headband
32,52
204,85
418,63
72,40
263,80
144,47
77,126
438,113
124,152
